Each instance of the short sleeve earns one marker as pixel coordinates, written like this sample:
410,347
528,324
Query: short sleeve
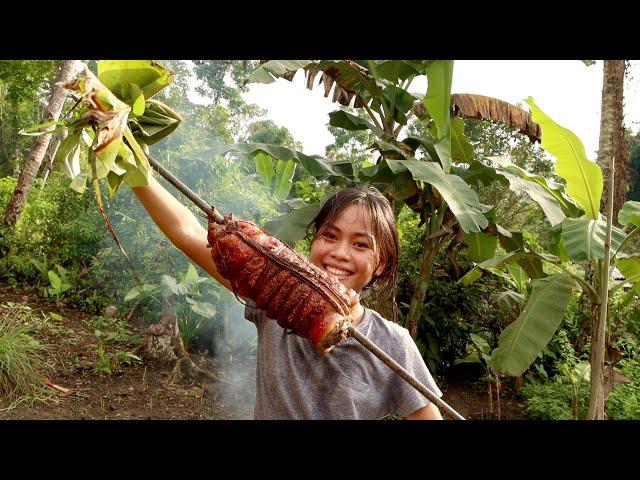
405,398
253,313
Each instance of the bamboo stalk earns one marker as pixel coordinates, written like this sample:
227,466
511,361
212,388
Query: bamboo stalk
396,367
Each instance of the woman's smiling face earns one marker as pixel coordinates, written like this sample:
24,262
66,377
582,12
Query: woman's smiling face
347,249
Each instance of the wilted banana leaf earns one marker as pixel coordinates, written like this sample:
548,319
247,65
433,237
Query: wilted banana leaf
629,213
126,78
481,107
460,198
522,341
316,166
583,177
292,227
584,239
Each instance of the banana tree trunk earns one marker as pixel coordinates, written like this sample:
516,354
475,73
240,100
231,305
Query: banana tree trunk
383,301
596,396
39,147
420,291
613,141
596,359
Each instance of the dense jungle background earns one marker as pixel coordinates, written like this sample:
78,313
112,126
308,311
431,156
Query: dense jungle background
75,322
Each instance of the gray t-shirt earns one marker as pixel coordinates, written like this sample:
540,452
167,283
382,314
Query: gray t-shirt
293,381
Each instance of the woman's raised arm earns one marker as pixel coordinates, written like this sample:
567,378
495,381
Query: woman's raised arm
179,224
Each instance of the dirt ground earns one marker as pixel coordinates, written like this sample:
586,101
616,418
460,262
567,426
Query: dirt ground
141,391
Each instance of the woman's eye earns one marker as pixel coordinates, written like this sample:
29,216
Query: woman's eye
329,235
362,245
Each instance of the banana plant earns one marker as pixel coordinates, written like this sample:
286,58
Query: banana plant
113,121
581,233
417,171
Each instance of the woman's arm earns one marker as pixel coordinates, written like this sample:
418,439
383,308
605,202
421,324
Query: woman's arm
430,412
179,224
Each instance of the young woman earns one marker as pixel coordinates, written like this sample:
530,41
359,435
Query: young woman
354,237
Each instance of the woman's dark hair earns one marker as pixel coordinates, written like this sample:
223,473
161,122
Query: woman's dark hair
383,223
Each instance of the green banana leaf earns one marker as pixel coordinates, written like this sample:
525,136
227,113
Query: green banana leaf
547,202
584,239
630,268
157,121
460,198
481,246
507,299
493,265
268,72
629,213
264,167
315,165
119,75
284,178
519,276
438,103
551,188
345,120
583,177
292,227
394,70
521,342
461,149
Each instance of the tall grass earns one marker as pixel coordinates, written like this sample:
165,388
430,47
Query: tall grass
21,361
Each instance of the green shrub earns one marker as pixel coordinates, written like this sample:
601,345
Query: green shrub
553,400
624,400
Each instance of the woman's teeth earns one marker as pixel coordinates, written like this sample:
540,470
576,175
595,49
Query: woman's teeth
337,272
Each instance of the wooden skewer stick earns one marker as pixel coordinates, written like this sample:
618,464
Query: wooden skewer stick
396,367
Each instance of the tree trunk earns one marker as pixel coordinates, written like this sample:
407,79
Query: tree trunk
420,290
613,141
383,301
51,155
596,394
39,147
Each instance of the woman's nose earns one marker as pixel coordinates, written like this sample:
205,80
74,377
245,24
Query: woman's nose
341,250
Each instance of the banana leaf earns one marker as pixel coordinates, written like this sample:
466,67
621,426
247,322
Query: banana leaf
583,177
521,342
